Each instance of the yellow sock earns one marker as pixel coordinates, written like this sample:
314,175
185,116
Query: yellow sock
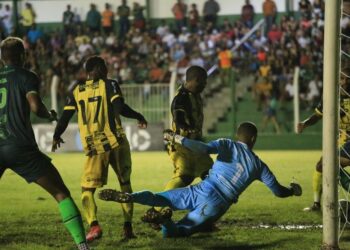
317,185
128,208
89,206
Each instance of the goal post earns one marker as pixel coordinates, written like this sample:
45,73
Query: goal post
330,123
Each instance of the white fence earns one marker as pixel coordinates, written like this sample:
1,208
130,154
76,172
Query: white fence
152,100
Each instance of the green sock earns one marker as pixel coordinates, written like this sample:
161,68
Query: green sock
72,219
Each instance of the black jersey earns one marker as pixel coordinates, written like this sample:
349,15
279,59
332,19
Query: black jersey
192,106
15,126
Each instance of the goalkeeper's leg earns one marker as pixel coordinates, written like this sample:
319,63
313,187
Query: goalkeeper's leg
53,183
316,187
195,221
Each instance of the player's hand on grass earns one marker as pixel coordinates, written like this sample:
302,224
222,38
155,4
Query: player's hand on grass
300,127
53,115
171,136
296,188
56,143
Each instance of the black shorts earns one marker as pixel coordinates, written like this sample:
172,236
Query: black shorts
26,161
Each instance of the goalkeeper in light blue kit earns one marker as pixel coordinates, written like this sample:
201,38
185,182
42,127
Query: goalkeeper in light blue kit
235,168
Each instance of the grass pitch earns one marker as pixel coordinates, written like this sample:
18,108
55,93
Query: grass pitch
30,219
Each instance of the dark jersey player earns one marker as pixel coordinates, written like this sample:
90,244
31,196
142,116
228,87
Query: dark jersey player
19,95
344,127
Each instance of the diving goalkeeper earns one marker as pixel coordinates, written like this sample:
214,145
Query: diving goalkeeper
235,168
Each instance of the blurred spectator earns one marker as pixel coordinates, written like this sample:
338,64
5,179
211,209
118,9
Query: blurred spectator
2,25
76,18
139,19
97,41
123,12
274,34
270,114
259,41
81,38
264,70
207,47
107,19
197,60
169,39
156,74
140,73
314,91
184,36
93,19
85,48
247,14
318,8
270,13
303,40
162,29
193,18
179,10
305,8
137,37
34,34
111,40
177,52
261,55
28,16
55,42
305,23
125,73
7,20
210,11
262,91
67,20
225,63
182,66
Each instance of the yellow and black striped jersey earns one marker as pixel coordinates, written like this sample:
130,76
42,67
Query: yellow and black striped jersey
187,112
99,128
344,115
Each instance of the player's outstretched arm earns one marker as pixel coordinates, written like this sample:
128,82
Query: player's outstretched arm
312,120
38,107
195,146
282,192
269,179
128,112
61,126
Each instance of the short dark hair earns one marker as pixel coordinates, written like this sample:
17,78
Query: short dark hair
94,62
247,130
195,72
12,49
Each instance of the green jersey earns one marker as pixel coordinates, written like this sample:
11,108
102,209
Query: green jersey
15,126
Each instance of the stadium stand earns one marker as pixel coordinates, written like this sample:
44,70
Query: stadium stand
145,56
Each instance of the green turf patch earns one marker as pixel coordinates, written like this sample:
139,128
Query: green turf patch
30,219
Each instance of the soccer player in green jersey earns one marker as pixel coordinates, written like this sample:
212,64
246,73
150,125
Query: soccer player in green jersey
19,94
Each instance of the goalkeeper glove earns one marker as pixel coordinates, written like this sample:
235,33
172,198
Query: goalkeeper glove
171,136
296,188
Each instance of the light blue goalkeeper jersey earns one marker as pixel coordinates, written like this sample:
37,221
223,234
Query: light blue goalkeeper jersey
235,168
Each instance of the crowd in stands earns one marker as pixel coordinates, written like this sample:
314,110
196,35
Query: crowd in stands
139,51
